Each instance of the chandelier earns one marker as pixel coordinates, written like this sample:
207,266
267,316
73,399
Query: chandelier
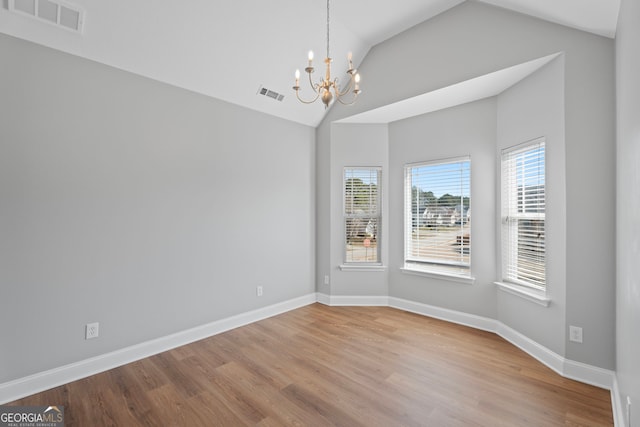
324,88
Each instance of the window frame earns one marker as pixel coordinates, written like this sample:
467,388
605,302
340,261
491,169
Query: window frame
510,243
355,265
459,272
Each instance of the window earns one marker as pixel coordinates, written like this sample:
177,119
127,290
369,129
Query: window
438,217
523,215
362,215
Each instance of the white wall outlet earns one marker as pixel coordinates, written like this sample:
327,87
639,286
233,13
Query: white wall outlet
91,330
575,334
259,291
326,279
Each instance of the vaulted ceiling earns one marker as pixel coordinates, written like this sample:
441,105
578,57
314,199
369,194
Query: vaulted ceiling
230,50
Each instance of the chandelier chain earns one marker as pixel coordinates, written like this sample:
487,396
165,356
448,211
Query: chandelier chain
328,56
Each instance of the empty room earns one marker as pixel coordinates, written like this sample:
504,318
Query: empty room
320,213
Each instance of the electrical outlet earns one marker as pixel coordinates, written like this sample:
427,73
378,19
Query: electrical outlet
326,279
575,334
259,291
92,330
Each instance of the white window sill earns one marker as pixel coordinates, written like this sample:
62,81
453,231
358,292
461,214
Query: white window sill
467,280
362,267
533,295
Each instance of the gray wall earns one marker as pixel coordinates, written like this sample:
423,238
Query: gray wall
366,146
531,109
120,196
138,205
468,129
471,40
628,206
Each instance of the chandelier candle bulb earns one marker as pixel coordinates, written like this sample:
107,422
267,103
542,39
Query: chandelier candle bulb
297,78
310,58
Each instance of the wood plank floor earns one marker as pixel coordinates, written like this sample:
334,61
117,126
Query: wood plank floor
335,366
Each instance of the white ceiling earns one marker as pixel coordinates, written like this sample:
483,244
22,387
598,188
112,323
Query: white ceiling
228,50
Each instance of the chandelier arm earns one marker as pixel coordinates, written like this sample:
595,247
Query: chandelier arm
353,101
307,102
346,90
314,86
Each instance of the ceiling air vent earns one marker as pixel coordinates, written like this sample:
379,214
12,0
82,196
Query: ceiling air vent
54,12
271,94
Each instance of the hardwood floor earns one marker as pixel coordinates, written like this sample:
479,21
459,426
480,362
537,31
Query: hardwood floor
335,366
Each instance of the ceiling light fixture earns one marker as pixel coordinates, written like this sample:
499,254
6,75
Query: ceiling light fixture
325,86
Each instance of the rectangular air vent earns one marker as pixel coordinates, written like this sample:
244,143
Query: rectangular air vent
57,13
270,94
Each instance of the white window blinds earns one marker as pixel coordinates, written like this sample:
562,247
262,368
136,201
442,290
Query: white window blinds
523,215
362,215
438,216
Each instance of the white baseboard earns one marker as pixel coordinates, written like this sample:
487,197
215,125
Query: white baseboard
26,386
472,320
350,300
41,381
323,298
617,405
589,374
582,372
537,351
